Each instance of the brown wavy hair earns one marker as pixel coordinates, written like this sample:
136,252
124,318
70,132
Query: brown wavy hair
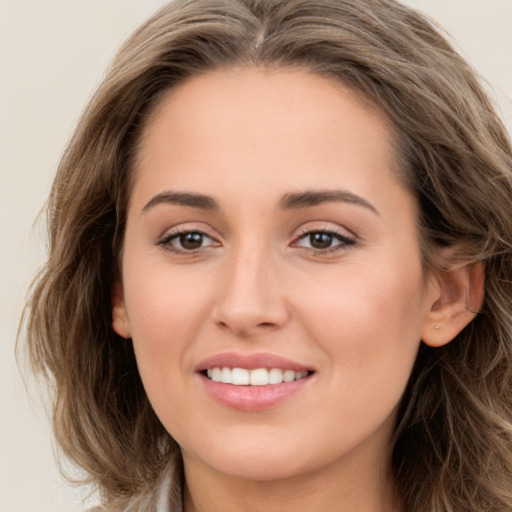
452,448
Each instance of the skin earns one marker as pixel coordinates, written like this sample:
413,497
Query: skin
355,311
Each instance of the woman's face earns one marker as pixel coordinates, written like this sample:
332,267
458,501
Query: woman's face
267,232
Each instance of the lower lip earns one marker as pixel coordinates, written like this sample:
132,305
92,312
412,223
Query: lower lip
252,398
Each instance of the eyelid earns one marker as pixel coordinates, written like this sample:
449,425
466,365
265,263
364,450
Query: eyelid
346,238
342,237
186,227
327,227
171,234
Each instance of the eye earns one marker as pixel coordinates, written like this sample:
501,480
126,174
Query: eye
187,241
323,241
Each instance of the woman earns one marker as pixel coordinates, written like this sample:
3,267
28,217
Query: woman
280,266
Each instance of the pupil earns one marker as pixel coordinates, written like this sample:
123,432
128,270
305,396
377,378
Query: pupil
191,240
321,240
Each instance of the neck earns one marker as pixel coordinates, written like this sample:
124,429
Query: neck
364,488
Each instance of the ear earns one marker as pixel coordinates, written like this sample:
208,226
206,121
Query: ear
120,322
457,298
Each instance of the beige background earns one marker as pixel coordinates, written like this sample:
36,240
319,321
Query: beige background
52,55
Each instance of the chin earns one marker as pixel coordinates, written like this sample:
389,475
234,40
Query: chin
256,461
258,468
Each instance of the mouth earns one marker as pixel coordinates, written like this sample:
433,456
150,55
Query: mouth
253,377
253,382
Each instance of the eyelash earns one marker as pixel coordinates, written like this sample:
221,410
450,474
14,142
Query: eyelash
166,241
344,241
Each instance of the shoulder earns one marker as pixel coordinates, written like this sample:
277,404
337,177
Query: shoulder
166,496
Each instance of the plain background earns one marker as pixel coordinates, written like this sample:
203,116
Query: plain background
52,56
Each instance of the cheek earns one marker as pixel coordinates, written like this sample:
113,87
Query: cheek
368,323
165,311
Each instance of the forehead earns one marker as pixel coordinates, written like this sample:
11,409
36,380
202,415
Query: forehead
285,126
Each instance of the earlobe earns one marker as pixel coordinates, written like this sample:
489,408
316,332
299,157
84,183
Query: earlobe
460,295
120,322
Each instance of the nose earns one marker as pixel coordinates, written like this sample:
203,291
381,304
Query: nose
251,300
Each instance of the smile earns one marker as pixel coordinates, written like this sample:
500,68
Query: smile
252,382
255,377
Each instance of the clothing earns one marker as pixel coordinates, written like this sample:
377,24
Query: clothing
168,496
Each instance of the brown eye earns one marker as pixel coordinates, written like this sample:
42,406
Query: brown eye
191,241
324,241
320,240
187,242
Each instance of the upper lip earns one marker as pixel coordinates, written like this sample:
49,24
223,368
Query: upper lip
250,362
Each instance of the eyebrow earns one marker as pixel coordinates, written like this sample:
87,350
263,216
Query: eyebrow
293,201
183,199
311,198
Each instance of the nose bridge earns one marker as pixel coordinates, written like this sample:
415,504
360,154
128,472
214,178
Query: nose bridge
250,298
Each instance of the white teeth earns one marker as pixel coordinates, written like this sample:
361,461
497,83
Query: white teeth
216,375
239,377
275,376
257,377
288,375
226,376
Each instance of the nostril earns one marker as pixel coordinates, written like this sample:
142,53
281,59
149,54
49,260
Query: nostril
246,330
